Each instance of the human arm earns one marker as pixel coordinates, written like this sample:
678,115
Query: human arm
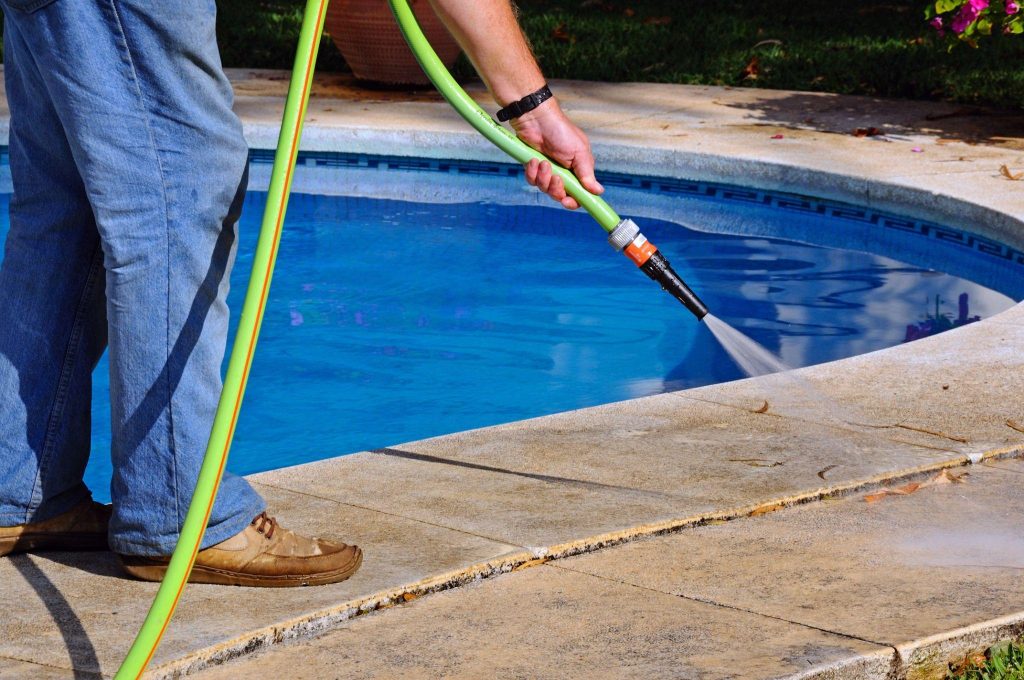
489,33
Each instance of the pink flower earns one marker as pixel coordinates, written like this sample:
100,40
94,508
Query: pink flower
1012,7
978,5
965,17
936,23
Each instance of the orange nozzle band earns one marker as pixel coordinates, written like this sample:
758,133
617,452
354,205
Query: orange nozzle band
640,251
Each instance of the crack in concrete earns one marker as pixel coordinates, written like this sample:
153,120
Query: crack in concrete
843,426
77,672
326,620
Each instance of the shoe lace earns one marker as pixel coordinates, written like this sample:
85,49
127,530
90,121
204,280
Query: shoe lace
262,521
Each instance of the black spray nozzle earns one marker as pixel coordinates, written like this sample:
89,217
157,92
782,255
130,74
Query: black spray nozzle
658,268
626,238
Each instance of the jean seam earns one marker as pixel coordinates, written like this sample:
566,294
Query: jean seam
147,115
63,382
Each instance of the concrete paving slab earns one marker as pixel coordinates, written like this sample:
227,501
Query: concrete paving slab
573,482
13,669
79,610
709,133
964,398
907,571
551,623
560,482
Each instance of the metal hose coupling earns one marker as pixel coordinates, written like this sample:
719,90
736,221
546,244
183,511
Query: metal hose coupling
626,237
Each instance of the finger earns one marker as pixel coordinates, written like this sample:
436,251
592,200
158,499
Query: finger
583,166
544,176
557,189
532,167
570,203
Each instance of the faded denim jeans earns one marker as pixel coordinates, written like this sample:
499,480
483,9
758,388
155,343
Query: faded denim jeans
129,170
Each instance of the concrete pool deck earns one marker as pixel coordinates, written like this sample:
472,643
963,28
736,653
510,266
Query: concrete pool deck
569,510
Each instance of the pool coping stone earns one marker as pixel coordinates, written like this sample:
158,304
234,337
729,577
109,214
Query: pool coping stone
704,133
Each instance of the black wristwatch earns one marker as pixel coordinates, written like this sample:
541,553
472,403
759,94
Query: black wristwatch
527,103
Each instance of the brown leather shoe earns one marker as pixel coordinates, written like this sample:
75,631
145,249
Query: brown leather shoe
83,527
264,554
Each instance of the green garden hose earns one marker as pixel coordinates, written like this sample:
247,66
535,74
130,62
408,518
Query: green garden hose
162,609
624,235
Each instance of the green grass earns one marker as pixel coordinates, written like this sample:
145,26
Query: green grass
867,48
1002,662
883,49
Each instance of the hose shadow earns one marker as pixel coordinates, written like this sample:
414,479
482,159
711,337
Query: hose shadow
84,661
551,479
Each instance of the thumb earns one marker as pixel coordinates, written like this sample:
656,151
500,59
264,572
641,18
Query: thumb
583,167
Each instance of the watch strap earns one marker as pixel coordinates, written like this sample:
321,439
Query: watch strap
526,104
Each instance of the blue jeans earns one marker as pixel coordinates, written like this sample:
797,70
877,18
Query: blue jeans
129,169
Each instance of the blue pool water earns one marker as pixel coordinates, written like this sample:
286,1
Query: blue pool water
391,320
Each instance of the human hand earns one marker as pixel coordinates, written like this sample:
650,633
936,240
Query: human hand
548,130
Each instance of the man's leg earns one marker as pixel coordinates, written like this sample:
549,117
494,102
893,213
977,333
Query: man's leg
147,111
52,317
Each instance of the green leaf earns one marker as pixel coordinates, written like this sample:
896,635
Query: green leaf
943,6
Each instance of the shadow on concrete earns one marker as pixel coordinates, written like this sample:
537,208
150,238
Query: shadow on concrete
844,114
426,458
84,662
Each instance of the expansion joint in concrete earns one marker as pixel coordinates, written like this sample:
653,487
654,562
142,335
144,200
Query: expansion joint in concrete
715,603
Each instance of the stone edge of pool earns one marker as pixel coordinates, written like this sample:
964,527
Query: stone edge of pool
921,193
701,133
743,158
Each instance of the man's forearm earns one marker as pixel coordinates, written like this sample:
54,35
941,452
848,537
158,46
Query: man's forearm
490,35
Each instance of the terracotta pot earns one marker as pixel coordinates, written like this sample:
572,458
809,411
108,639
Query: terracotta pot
368,37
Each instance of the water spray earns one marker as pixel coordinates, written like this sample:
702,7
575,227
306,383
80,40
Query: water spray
624,235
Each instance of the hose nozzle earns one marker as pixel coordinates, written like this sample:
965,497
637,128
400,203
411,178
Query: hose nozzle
627,238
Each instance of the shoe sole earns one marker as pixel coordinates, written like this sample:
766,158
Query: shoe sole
153,569
48,541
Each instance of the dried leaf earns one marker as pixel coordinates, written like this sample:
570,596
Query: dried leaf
766,508
943,477
866,132
562,35
757,462
531,563
778,137
409,597
974,660
1015,425
764,407
1014,176
821,473
752,70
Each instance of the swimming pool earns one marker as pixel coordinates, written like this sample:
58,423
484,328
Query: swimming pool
392,320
